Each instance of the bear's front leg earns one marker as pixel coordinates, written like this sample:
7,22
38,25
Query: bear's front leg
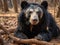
44,36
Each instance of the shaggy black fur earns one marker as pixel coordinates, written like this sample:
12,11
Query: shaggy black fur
40,30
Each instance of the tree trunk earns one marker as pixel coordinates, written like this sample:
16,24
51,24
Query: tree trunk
15,6
5,5
58,13
1,5
10,4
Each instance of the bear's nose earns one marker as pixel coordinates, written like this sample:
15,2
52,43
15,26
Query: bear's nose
34,19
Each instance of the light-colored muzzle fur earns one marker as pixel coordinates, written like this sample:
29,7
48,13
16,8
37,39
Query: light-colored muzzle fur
34,19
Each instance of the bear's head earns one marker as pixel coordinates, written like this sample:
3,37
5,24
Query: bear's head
33,12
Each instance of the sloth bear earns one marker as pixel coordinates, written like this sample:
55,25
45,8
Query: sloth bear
35,21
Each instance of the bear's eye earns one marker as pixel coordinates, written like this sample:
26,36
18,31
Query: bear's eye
30,12
38,12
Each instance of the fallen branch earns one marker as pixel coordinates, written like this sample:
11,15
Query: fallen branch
30,41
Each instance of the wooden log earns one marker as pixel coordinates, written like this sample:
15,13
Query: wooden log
30,41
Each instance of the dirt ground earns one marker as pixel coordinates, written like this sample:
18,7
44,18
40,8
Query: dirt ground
9,21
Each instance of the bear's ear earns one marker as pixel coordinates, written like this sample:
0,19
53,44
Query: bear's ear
45,4
24,4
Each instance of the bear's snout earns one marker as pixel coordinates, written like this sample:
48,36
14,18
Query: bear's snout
34,19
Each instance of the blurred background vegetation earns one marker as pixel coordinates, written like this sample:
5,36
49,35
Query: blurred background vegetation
12,6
